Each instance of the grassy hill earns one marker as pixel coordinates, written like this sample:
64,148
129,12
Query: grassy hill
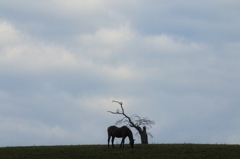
165,151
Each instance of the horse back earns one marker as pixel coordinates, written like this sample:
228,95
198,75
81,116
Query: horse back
111,128
115,131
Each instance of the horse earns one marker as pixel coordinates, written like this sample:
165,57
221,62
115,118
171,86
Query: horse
122,132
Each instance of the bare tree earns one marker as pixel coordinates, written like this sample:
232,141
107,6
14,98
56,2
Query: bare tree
136,122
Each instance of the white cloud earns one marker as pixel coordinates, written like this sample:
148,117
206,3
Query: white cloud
20,52
166,44
106,44
39,129
8,34
108,38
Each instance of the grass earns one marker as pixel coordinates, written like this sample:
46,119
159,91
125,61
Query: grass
165,151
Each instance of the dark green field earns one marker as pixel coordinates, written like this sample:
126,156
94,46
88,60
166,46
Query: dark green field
165,151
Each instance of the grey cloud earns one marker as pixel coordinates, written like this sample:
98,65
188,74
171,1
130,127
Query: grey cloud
174,68
198,21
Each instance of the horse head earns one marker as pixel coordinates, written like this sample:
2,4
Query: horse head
132,143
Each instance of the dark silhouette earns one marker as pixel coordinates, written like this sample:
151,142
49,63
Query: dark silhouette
122,132
136,122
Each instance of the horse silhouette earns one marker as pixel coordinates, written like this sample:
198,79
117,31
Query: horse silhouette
122,132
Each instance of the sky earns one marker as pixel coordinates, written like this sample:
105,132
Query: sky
63,62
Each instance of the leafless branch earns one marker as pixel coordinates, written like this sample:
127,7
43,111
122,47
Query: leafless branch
137,134
120,121
120,105
114,112
117,102
150,134
134,120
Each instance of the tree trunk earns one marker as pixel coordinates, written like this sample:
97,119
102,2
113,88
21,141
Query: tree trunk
143,135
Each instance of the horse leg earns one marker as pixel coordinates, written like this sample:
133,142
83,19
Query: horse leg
109,136
122,143
113,141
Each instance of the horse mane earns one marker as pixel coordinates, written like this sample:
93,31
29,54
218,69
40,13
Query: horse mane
129,132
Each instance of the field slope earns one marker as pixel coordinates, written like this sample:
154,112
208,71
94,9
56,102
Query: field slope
165,151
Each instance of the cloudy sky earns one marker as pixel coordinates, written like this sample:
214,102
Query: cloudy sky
63,62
